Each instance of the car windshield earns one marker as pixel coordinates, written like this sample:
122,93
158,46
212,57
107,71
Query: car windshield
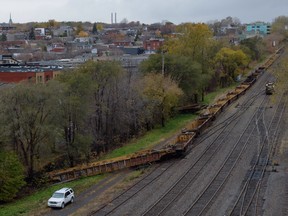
58,195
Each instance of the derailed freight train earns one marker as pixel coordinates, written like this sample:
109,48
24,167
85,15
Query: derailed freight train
183,141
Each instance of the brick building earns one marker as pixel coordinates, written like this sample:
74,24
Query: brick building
24,73
11,71
153,44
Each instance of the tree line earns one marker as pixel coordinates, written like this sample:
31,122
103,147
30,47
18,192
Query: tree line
100,106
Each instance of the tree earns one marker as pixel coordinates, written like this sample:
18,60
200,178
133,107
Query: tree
27,120
182,69
3,37
228,62
230,21
32,34
161,95
216,27
280,25
167,28
79,28
124,21
74,110
194,41
52,23
11,176
83,34
94,29
255,46
100,27
107,119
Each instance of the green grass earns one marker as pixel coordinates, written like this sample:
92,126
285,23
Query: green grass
210,97
38,200
153,137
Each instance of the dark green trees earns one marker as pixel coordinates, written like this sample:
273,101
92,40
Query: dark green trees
3,37
31,35
94,29
11,176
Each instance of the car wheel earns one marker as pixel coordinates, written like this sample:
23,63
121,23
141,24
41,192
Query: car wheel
62,205
72,200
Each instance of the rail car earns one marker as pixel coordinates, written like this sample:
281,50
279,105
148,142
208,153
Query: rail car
105,166
183,141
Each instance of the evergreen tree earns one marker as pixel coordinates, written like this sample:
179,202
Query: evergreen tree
3,37
11,176
31,34
94,30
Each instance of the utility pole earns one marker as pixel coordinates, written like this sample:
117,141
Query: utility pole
162,54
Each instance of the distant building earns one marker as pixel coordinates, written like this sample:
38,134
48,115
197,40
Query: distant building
259,28
63,31
13,46
153,44
8,60
4,27
131,50
10,20
17,36
27,73
123,43
11,71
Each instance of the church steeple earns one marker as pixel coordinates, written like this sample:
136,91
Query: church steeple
10,21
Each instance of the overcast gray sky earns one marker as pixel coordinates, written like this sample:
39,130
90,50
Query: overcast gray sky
144,11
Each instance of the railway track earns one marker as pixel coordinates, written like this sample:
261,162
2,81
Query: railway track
205,199
247,201
164,203
134,189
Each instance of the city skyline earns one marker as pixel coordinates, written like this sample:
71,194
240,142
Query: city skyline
143,11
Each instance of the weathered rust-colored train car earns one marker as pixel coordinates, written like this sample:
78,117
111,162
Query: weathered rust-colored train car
139,158
183,141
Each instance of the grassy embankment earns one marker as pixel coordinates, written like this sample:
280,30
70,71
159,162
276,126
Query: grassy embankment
38,200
